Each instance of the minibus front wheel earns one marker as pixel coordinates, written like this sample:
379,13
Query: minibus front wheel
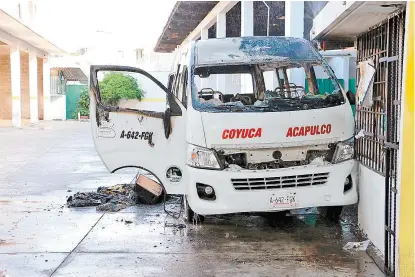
189,215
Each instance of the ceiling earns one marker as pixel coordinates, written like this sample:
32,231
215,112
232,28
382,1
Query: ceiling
11,25
357,19
187,15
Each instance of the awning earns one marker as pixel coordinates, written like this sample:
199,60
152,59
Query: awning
14,28
184,18
345,20
73,74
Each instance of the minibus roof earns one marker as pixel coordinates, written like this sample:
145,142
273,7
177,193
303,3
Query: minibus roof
254,50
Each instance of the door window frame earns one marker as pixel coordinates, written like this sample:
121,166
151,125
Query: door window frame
172,101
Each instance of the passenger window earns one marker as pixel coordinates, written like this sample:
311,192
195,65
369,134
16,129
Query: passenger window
170,82
175,85
129,90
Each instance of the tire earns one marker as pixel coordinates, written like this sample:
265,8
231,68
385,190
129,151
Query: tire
189,215
333,213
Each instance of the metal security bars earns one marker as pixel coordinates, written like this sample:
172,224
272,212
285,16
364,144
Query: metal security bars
378,149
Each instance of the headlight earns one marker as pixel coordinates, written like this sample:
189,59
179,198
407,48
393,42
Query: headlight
201,157
344,151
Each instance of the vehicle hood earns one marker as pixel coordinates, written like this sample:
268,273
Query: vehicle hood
278,129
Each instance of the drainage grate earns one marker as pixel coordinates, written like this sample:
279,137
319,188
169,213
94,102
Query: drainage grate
280,182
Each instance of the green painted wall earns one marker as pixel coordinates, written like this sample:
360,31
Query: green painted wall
72,96
326,85
352,88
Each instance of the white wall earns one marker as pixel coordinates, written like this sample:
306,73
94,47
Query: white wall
232,83
150,62
25,11
371,210
57,107
155,98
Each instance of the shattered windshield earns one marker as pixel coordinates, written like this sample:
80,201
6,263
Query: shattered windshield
265,87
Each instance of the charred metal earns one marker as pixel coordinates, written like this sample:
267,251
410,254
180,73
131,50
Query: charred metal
276,158
252,58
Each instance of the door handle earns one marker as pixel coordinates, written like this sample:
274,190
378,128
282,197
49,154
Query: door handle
106,132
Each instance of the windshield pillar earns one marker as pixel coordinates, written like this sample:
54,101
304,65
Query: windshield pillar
311,79
286,82
259,83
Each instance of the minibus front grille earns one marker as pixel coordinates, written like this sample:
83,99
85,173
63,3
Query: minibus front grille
280,182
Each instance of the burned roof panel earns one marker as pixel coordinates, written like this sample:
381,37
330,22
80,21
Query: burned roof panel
253,50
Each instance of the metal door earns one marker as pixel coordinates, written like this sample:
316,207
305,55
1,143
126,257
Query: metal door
378,150
72,96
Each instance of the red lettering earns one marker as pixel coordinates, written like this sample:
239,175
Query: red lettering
244,133
318,130
232,133
258,133
241,133
301,133
238,133
328,129
313,130
295,131
307,130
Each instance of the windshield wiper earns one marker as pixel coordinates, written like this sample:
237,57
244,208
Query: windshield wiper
265,108
230,107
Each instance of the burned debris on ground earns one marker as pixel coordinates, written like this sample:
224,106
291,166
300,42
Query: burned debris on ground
118,197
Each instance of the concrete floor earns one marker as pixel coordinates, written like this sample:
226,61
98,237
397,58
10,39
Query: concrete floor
39,236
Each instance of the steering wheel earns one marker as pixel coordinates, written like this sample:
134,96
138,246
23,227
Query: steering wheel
295,86
211,91
246,100
208,90
291,87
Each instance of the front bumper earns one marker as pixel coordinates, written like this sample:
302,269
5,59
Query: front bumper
230,200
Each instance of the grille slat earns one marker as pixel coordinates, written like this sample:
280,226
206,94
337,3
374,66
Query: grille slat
280,182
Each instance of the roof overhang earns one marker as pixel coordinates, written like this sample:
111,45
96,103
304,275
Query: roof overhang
184,18
73,74
15,33
345,20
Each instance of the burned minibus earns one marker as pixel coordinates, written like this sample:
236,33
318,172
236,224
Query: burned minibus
250,124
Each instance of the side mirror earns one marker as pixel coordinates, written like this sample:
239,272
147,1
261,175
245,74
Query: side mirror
167,123
351,97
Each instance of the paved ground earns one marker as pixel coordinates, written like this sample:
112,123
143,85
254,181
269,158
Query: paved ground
39,236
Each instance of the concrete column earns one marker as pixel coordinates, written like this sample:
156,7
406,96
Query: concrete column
247,29
15,86
34,117
221,33
346,75
47,108
294,27
204,33
247,18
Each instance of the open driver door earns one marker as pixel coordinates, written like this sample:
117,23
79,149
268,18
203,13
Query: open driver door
130,133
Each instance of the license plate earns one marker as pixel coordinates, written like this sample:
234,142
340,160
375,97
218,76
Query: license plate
283,200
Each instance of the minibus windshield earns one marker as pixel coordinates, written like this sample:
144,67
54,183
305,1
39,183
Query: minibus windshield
265,87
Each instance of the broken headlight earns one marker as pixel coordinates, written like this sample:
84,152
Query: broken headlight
344,151
201,157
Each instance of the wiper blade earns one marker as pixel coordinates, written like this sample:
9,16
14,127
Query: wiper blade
230,107
265,108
